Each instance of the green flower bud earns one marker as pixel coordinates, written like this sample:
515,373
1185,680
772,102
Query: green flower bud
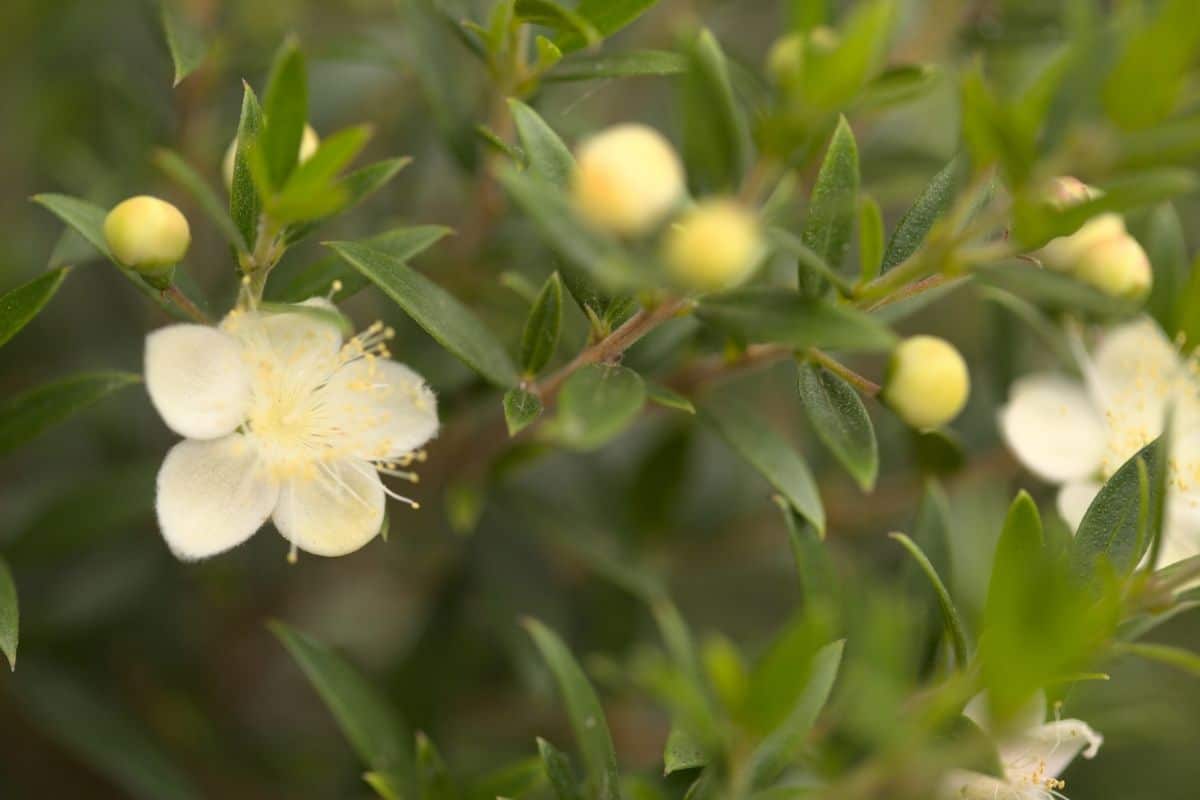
927,383
716,245
309,141
626,179
148,235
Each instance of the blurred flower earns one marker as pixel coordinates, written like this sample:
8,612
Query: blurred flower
715,245
147,235
1033,754
927,382
626,179
309,141
282,420
1078,433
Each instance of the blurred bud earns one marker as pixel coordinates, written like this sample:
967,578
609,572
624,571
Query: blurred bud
147,235
785,60
716,245
1067,253
927,383
626,179
309,141
1118,267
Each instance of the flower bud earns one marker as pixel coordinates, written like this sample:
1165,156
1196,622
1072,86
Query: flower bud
309,141
626,179
927,383
787,57
716,245
147,234
1067,253
1118,267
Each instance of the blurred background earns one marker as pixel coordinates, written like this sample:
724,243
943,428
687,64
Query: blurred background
139,675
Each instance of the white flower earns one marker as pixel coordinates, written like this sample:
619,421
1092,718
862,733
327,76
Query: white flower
1077,434
1033,754
283,420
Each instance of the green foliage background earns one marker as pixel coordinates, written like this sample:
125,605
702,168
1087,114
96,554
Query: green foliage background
140,676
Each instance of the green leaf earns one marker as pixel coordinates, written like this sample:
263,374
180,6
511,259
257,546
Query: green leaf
434,309
606,16
914,226
584,711
870,238
542,327
1162,236
1144,86
1113,530
244,201
313,190
841,421
1054,291
183,174
898,85
558,771
285,106
682,751
378,735
634,64
9,615
815,275
27,415
1176,657
520,409
1020,544
435,778
783,316
597,402
950,617
186,44
668,398
818,582
18,306
772,455
837,78
716,135
549,158
830,220
552,15
778,751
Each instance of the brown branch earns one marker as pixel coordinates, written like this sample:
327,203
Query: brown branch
186,305
863,385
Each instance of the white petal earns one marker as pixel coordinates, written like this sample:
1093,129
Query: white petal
212,495
335,511
197,380
1137,371
1053,427
1181,532
1044,752
294,340
1074,499
388,409
961,784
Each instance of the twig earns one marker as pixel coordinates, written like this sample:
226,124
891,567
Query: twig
185,304
863,385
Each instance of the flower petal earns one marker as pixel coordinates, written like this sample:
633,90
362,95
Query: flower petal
299,339
1053,427
1074,499
1136,372
1042,753
961,784
389,410
212,495
197,380
335,511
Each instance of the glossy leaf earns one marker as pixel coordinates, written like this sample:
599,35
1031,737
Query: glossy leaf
548,157
313,190
244,201
606,16
930,205
27,415
521,408
18,306
558,771
597,402
285,106
783,316
633,64
716,134
584,711
10,626
830,219
841,421
950,616
186,44
434,309
542,327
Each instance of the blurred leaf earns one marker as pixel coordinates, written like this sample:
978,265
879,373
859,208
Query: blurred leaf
182,173
815,275
830,219
993,133
597,402
1020,544
436,781
285,108
667,398
1145,84
914,226
521,408
783,316
186,44
857,57
349,191
950,616
583,709
606,16
378,735
27,415
938,452
557,17
1050,334
769,453
549,158
9,615
782,746
18,306
542,327
840,419
1163,238
682,752
100,733
313,190
870,238
434,309
633,64
513,780
1176,657
898,85
1052,290
1114,527
558,771
716,135
244,202
818,583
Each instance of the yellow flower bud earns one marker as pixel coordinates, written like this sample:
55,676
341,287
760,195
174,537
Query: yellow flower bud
716,245
927,383
1118,267
309,141
147,234
626,179
1067,253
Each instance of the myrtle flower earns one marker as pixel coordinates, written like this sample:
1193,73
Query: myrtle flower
1033,754
1078,433
282,420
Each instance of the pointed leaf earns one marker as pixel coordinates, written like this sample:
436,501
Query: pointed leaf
950,616
186,44
633,64
542,327
558,771
1020,544
27,415
244,202
913,227
549,158
716,134
1112,531
606,16
285,106
841,421
669,398
10,628
682,752
521,408
830,220
18,306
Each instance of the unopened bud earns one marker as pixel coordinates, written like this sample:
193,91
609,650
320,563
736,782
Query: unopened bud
927,383
716,245
626,179
788,56
147,235
1067,253
309,141
1118,267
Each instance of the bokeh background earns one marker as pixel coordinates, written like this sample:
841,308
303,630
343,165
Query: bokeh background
136,668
